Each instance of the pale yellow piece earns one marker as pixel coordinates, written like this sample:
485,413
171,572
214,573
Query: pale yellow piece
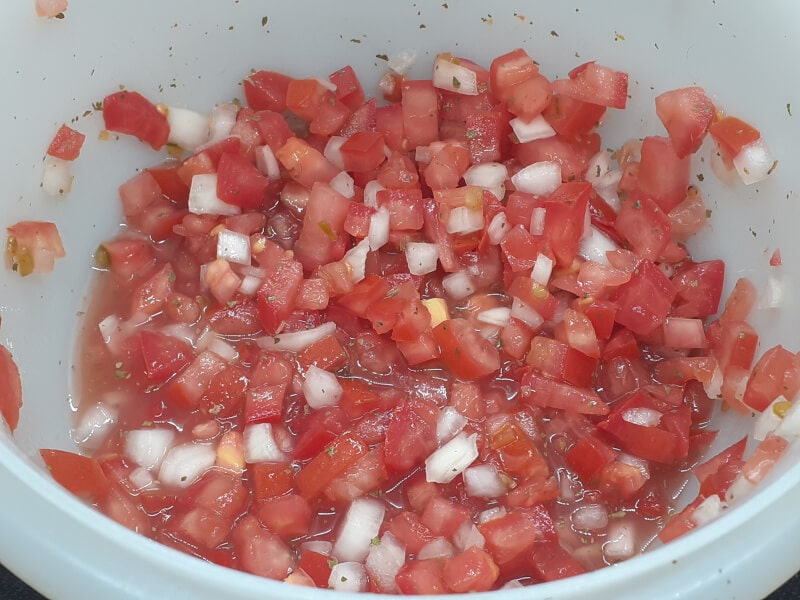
437,307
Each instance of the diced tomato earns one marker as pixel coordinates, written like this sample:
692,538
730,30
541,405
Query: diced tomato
473,570
571,117
420,113
189,386
170,183
645,226
596,84
266,90
764,457
333,460
277,294
644,302
541,391
363,151
687,114
326,353
10,389
270,480
289,516
237,317
259,551
552,562
33,247
133,114
305,164
411,435
509,537
732,134
404,206
317,566
164,355
467,354
81,475
487,134
662,176
589,456
239,182
66,144
777,373
323,239
422,577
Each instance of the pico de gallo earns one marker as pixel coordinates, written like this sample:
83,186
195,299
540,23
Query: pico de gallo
438,341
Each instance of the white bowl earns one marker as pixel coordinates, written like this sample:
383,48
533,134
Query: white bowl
191,53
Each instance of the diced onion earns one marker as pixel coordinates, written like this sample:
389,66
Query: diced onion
542,269
333,150
454,77
595,245
187,128
708,510
438,547
713,388
495,512
421,257
458,285
356,257
484,481
361,524
203,198
344,184
498,228
635,461
348,577
267,163
684,333
385,560
250,285
184,464
449,461
233,246
607,188
490,176
56,176
536,129
621,543
754,162
94,425
467,536
773,296
260,444
321,388
319,546
147,447
464,220
401,62
512,584
538,215
540,178
211,341
378,234
141,479
739,489
589,517
499,316
448,424
526,313
297,340
789,427
223,118
371,190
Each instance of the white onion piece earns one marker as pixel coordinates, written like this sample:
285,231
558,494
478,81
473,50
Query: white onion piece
267,163
184,464
326,83
56,176
458,285
467,536
348,577
708,510
423,154
321,388
498,228
607,188
724,173
453,77
635,461
513,584
449,423
754,162
333,150
644,417
94,425
181,331
361,524
438,547
250,285
600,164
344,184
499,316
595,244
621,543
538,215
401,62
319,546
356,257
233,246
713,388
211,341
589,517
378,234
489,514
297,340
773,295
490,176
526,313
449,461
421,257
260,444
203,198
223,118
385,560
484,481
371,190
141,479
540,178
542,269
536,129
187,128
147,447
789,427
464,220
739,489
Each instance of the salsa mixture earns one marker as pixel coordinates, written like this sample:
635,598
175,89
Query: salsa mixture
443,341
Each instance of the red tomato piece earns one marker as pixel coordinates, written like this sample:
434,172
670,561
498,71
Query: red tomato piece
133,114
596,84
189,386
323,238
10,389
363,151
589,456
777,373
79,474
473,570
305,164
411,435
663,176
317,566
644,302
326,353
645,226
289,516
266,90
541,391
420,113
422,577
239,182
332,461
33,247
571,117
552,562
66,144
732,134
277,294
687,114
466,353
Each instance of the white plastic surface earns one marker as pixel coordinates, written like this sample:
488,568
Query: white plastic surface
193,54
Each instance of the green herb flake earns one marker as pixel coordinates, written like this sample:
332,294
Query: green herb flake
264,21
382,57
376,541
456,82
330,450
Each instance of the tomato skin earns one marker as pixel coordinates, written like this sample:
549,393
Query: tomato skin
133,114
487,135
589,456
170,183
66,144
363,151
79,474
687,114
317,566
289,516
466,353
266,90
10,389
